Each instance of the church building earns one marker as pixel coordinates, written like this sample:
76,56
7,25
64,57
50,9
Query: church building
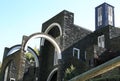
66,49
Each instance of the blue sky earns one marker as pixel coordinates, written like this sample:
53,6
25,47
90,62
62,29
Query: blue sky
24,17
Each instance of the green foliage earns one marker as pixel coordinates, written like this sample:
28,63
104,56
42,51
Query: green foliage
29,56
70,72
36,50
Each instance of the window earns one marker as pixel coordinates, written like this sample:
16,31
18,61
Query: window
110,15
12,79
76,53
101,41
99,16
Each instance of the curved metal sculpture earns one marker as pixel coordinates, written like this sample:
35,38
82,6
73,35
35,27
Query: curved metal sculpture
12,50
29,49
51,74
24,48
53,25
46,36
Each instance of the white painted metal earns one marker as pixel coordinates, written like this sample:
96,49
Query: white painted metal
46,36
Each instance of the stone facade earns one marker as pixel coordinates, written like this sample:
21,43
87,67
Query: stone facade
86,41
81,49
12,63
69,35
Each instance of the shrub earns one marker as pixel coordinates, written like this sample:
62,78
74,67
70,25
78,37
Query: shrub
70,72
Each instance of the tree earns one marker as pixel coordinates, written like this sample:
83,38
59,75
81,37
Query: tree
70,72
29,56
36,50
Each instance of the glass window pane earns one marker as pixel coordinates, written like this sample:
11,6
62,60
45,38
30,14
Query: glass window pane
76,53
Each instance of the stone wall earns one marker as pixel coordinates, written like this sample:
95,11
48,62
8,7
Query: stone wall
13,63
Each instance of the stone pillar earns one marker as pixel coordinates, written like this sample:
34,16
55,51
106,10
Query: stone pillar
21,67
60,76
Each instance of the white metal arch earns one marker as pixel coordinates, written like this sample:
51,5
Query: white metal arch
51,74
13,49
29,49
6,73
53,25
46,36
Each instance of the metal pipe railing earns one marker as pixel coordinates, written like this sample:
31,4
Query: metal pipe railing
98,70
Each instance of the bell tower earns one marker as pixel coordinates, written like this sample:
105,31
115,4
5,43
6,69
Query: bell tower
104,15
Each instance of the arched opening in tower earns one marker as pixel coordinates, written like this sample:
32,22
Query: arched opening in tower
48,52
54,32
